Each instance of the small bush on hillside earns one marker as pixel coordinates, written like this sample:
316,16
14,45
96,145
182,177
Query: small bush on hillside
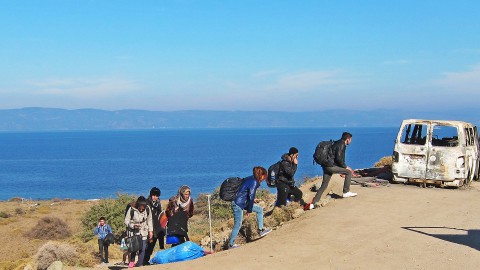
114,212
16,199
263,194
384,161
282,214
50,228
4,215
19,211
52,251
220,209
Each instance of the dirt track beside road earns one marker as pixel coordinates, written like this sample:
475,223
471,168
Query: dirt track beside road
395,227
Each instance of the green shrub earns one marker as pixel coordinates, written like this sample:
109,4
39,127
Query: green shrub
264,194
50,228
114,212
221,209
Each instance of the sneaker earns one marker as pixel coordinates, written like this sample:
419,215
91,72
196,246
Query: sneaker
234,246
308,206
349,194
264,232
131,265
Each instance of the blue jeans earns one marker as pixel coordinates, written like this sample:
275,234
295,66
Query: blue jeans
238,218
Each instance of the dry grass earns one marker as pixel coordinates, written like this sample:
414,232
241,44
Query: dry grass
50,228
24,217
15,228
384,161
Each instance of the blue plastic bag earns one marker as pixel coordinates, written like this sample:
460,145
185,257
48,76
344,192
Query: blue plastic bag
183,252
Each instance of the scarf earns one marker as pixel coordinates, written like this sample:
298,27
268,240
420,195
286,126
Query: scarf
181,200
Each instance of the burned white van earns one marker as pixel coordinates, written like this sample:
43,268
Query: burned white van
443,153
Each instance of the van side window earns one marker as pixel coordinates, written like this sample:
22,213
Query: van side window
445,136
414,134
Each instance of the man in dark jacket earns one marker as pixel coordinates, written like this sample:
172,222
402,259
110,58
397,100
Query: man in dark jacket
337,164
286,183
158,233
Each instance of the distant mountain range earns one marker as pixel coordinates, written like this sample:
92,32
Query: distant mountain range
49,119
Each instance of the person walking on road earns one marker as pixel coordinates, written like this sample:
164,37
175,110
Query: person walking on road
337,165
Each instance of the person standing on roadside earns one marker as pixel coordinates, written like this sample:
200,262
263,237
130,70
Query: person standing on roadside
102,230
245,200
337,164
155,205
286,183
179,210
139,222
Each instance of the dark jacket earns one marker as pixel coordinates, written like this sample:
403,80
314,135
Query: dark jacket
287,170
156,210
178,217
246,194
338,152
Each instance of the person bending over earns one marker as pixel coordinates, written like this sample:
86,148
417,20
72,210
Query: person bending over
245,200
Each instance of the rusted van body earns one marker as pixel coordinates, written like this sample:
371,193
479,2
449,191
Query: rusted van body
443,153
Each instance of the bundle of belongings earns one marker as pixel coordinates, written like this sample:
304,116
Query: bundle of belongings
374,177
183,252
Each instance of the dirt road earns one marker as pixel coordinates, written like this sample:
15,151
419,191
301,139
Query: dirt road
396,227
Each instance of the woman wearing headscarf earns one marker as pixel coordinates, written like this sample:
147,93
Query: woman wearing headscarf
179,210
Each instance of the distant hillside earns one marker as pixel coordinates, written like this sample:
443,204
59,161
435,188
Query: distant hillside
43,119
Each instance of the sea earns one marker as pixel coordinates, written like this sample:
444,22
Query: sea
101,164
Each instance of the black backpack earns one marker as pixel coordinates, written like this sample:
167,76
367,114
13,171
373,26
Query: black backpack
109,239
229,188
323,153
273,172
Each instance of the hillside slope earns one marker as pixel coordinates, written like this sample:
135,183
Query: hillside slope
396,227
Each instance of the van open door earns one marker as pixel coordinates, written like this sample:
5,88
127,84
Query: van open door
443,151
411,152
477,167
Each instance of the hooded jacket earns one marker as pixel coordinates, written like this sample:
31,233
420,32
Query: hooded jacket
102,231
287,170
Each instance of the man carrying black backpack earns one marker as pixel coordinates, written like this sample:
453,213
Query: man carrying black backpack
158,233
336,164
286,183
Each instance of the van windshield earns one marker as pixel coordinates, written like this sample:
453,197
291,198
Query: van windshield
414,134
445,136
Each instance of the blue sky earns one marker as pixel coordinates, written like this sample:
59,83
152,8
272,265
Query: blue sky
239,55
